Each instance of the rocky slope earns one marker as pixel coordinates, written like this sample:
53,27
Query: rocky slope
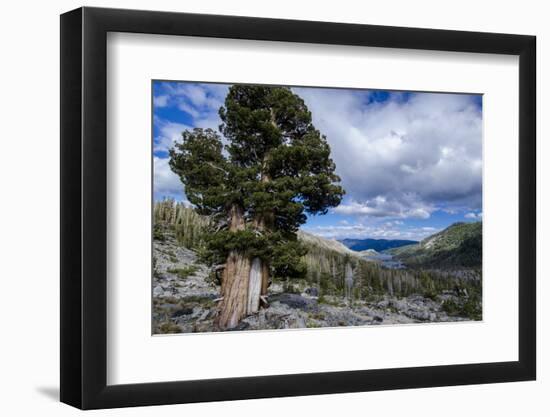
327,244
185,299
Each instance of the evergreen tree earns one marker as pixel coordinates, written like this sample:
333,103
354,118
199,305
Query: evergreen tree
276,168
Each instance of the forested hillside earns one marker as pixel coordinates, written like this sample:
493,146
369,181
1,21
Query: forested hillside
459,246
333,274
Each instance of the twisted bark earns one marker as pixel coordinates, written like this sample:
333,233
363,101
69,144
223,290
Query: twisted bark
234,291
235,279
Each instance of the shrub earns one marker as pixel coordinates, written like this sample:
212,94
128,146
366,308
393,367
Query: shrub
451,307
290,288
472,308
318,315
184,272
169,327
431,294
158,233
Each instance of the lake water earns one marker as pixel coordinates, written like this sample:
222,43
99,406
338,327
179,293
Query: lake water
387,261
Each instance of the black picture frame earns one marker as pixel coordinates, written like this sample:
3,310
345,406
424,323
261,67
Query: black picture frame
84,207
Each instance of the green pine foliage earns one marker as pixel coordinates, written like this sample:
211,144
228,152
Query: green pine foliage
275,168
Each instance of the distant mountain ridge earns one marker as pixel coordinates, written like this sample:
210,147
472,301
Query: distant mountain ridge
378,245
326,244
457,246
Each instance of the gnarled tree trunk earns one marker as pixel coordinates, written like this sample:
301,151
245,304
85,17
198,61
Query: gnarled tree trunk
254,286
245,280
235,283
235,280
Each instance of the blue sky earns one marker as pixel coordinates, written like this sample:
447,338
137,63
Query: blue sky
411,163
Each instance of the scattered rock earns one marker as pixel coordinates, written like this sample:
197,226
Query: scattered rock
422,315
243,325
293,300
182,312
314,292
188,303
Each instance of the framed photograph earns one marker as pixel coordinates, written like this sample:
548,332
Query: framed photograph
257,208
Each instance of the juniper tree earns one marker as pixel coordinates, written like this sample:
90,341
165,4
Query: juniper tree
275,169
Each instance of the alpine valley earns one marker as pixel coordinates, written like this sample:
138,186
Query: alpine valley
341,283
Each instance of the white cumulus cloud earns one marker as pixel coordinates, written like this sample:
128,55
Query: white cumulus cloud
473,215
166,183
161,101
169,133
402,158
360,230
